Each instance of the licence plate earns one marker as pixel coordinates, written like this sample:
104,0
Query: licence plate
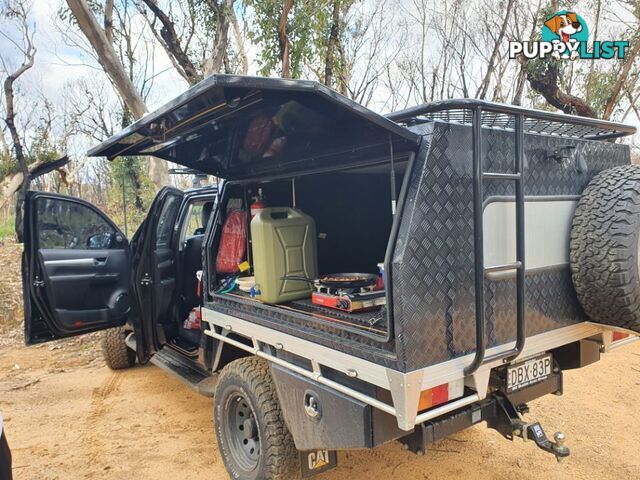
529,372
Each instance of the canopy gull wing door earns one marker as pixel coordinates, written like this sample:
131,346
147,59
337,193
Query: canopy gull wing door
74,270
241,127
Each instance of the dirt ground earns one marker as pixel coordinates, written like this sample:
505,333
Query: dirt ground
68,416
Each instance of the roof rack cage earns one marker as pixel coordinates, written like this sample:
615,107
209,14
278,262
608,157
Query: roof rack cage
480,114
500,116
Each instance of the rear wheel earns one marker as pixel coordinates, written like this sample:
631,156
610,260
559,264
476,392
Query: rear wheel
604,250
115,351
252,436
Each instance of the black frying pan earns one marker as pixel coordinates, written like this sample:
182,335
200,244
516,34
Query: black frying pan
340,280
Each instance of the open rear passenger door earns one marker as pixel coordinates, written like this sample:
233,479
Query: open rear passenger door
75,269
154,275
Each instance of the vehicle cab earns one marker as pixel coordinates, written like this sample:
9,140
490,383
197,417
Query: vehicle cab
81,274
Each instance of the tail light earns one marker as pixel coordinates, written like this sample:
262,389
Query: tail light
619,336
433,396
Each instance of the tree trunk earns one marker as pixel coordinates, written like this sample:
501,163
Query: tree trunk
6,152
242,52
112,66
107,57
522,73
21,187
332,44
283,38
522,77
545,82
216,62
108,19
10,117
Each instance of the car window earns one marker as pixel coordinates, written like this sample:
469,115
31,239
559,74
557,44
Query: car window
70,225
167,220
194,220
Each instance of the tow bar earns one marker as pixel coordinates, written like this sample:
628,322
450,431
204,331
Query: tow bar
507,422
499,413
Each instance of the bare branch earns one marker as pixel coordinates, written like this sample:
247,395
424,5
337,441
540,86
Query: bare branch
242,52
170,40
622,76
484,86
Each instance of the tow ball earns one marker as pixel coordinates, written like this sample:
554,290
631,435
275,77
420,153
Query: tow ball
510,425
534,431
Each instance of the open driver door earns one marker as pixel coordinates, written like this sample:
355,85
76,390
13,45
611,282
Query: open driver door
75,269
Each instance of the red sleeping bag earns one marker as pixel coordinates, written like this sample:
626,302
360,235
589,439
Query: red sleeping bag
233,242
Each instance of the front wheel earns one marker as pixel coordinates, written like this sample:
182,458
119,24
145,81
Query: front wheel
115,351
252,436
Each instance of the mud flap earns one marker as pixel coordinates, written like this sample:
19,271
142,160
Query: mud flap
313,462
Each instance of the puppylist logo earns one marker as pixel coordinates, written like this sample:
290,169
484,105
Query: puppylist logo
565,35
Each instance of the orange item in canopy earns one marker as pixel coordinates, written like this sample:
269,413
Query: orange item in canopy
233,242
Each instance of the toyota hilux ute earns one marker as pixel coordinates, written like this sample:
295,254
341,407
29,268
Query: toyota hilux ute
488,249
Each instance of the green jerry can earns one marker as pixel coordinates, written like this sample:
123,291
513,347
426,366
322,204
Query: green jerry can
284,244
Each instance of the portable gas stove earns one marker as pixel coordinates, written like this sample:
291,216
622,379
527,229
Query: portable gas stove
348,299
348,292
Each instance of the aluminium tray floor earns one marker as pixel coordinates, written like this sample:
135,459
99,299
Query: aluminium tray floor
372,321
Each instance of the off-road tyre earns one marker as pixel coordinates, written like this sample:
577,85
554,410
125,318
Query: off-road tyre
247,382
604,248
115,351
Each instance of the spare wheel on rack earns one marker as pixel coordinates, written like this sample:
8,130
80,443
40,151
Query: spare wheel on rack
604,248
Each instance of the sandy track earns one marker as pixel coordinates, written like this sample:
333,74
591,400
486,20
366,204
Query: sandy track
67,416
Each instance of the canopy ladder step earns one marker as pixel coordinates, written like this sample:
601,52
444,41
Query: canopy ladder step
480,270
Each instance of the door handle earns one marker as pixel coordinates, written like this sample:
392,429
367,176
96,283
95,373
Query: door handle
100,260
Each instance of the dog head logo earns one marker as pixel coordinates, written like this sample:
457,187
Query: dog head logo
565,26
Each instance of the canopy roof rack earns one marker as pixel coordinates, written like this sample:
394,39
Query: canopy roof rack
501,116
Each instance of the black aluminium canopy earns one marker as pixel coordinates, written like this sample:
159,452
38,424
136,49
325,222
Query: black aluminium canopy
238,127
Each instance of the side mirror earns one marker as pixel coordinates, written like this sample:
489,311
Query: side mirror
101,241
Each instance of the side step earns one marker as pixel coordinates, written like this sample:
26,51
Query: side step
185,369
